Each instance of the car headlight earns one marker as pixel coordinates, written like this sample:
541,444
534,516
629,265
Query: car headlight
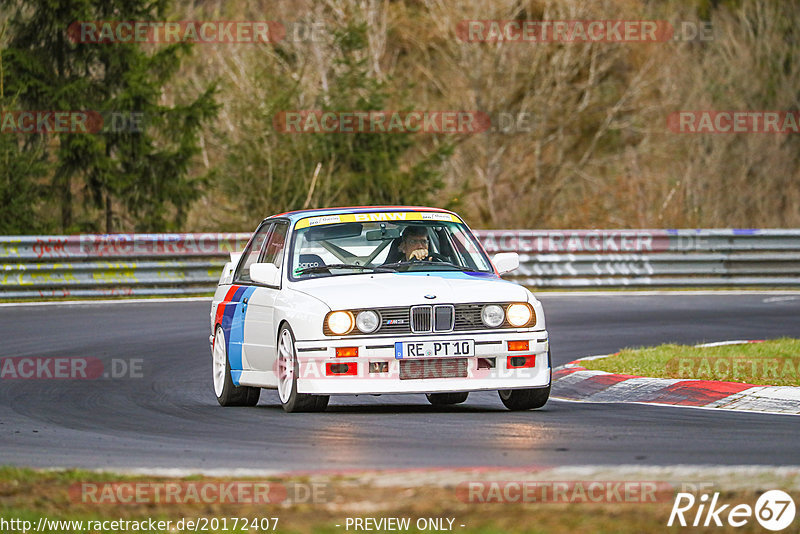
367,321
340,322
519,314
492,315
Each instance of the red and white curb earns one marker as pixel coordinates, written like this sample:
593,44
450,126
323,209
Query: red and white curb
573,382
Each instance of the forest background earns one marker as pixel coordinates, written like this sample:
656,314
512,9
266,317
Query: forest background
579,137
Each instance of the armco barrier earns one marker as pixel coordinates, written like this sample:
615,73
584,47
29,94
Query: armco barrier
114,264
180,264
651,258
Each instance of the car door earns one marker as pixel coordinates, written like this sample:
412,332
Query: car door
260,331
231,311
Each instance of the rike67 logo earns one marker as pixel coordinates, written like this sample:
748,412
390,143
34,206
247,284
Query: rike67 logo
774,510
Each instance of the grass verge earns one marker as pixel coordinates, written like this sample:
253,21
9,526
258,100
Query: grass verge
60,495
771,363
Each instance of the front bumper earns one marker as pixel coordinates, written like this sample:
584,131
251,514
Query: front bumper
489,369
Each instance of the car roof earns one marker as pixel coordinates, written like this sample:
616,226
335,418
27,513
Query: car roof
300,214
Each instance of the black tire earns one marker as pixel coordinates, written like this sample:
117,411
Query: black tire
446,399
527,399
231,394
322,403
524,399
299,402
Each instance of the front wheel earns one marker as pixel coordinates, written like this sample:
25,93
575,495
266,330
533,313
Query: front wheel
288,368
527,399
446,399
524,399
228,393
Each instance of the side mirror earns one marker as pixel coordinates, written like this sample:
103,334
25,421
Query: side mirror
505,262
265,273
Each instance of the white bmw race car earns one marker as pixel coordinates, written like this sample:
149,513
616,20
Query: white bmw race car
374,300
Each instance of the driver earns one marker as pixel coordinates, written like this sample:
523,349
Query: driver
414,244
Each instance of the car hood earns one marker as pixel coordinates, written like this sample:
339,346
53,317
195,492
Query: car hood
405,289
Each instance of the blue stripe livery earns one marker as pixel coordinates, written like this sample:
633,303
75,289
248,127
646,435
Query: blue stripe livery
233,326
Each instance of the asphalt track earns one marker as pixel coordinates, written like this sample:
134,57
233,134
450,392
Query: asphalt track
168,417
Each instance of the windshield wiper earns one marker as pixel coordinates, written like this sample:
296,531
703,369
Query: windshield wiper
396,264
323,268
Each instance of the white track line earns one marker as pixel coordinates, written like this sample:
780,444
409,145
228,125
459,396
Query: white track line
669,292
732,476
603,293
658,404
107,301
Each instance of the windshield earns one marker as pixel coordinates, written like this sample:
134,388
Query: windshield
354,248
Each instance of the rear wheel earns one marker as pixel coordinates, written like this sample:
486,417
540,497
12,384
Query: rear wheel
288,368
445,399
228,393
527,399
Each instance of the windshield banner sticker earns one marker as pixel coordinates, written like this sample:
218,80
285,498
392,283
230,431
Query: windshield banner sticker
378,216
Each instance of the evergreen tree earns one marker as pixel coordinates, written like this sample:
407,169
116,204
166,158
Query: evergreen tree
266,171
125,178
371,165
21,168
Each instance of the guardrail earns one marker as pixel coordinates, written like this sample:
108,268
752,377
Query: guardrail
651,258
181,264
114,264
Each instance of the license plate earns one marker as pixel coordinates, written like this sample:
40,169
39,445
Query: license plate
434,349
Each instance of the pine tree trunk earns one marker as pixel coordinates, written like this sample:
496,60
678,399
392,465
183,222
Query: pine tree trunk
66,203
109,215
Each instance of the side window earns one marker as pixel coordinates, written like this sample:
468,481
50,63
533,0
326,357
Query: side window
273,252
250,254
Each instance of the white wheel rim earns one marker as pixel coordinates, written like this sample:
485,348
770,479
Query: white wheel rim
285,366
219,361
